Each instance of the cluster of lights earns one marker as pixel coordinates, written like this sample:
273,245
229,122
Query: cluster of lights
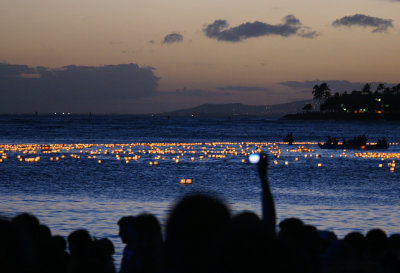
378,155
177,152
186,181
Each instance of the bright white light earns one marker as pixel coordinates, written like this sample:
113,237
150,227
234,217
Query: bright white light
254,158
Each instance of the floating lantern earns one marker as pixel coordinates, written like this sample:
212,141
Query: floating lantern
286,163
99,161
319,165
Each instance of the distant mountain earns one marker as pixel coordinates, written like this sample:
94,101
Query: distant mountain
238,109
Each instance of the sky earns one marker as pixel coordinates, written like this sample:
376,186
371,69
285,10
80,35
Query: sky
134,56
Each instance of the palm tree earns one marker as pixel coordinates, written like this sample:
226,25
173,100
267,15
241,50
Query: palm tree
307,107
380,87
366,89
321,92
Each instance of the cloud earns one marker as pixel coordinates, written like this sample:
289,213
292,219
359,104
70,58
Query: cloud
109,88
197,93
172,38
379,25
243,88
291,26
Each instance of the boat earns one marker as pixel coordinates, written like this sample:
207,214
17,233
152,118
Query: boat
289,138
353,147
357,143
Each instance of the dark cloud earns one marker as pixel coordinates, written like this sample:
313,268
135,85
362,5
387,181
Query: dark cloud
379,25
243,88
334,85
197,93
172,38
221,31
109,88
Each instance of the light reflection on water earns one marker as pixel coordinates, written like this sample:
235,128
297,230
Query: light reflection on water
344,194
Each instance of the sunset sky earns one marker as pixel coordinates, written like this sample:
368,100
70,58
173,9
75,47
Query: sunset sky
132,56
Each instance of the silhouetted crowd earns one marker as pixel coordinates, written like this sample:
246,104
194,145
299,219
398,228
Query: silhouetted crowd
201,236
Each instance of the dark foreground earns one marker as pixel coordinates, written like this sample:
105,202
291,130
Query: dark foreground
201,236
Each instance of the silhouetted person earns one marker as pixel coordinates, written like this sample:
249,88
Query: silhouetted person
128,234
44,248
357,241
59,258
393,254
250,247
376,246
103,249
289,138
9,244
195,235
291,238
384,143
80,248
27,227
148,244
143,238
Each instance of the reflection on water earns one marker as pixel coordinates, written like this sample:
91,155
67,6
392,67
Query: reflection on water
332,189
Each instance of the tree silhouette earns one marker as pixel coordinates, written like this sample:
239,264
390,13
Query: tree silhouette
380,87
321,92
366,89
307,107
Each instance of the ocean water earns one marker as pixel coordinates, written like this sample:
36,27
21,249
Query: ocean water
334,190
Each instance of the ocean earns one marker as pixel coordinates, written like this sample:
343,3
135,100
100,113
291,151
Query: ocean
145,160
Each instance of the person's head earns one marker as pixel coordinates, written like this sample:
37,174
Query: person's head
79,242
127,228
194,230
148,230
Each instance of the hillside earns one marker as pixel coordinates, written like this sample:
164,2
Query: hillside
238,109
